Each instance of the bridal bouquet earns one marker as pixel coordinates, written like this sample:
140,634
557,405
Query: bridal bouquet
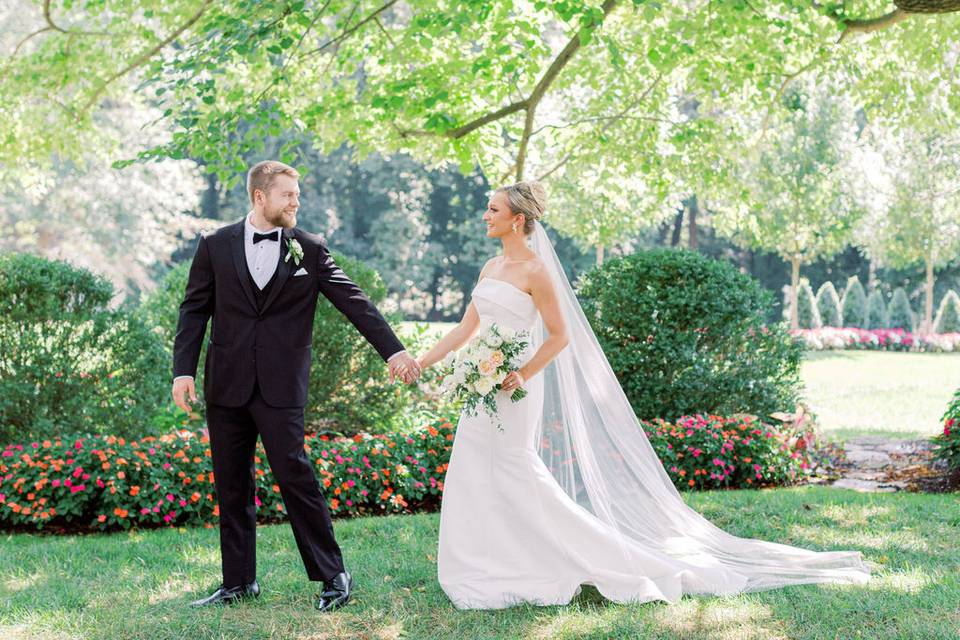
475,373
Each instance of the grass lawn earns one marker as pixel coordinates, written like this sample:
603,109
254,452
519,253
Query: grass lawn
136,585
900,395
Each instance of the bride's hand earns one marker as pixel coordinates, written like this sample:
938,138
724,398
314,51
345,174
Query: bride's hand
512,382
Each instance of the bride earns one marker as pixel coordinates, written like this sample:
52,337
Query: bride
570,492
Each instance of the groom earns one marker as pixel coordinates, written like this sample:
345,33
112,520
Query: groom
258,280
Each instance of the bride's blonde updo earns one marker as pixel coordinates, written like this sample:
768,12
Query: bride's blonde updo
528,198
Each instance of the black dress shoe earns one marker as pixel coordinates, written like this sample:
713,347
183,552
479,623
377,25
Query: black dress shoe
336,592
229,595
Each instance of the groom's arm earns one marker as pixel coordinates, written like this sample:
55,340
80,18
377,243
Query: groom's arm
195,311
351,301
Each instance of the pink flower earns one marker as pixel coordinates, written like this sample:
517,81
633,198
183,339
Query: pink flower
183,502
166,465
697,452
77,488
77,472
351,483
169,497
145,511
55,484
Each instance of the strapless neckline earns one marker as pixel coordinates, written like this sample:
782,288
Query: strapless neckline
513,286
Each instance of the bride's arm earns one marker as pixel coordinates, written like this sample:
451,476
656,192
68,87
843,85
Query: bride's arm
545,299
456,338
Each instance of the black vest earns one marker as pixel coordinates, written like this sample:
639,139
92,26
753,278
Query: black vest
261,294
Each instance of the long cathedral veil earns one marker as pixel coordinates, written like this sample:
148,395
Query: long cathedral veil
596,449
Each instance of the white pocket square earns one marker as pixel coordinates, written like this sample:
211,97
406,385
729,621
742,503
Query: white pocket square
300,272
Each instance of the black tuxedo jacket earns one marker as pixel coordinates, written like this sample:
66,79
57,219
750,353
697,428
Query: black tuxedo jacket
272,346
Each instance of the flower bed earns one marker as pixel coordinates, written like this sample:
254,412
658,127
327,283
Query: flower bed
108,483
712,452
105,482
947,444
875,339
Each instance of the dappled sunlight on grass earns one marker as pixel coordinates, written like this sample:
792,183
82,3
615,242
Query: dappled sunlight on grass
904,581
136,586
20,582
739,618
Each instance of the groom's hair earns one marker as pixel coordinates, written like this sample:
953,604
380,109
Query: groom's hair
262,175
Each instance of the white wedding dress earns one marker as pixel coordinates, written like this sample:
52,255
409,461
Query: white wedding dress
514,530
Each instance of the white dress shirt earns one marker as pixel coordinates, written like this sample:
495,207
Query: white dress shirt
262,259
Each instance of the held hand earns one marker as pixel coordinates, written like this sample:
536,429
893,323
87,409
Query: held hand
405,368
512,382
181,389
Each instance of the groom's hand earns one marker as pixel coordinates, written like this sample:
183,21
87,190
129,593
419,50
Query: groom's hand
181,388
404,367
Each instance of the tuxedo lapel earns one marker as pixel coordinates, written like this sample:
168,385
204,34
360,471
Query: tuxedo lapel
240,262
283,270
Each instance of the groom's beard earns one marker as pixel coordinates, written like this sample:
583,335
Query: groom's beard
281,218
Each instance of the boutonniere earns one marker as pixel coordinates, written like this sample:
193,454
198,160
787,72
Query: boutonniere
294,249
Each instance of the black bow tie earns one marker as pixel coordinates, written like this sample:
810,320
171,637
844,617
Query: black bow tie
273,235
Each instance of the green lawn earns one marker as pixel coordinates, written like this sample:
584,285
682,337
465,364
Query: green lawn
136,585
857,393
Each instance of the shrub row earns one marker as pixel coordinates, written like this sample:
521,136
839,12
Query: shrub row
109,483
854,309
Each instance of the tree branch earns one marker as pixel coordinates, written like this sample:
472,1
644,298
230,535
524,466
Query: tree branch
351,30
611,120
870,25
541,88
146,55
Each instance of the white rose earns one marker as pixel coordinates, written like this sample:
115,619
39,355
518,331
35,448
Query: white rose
483,386
449,359
493,341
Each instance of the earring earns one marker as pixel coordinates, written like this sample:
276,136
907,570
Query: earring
514,227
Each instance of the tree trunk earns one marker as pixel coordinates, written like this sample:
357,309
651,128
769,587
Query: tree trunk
871,276
928,299
928,6
599,255
677,227
794,292
693,208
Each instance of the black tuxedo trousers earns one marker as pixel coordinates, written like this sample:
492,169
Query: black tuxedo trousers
256,375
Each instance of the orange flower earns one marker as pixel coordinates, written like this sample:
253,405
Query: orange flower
195,497
334,504
120,513
276,488
134,490
216,509
101,518
691,482
121,475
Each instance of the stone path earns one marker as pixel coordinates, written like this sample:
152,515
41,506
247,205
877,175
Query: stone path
878,464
